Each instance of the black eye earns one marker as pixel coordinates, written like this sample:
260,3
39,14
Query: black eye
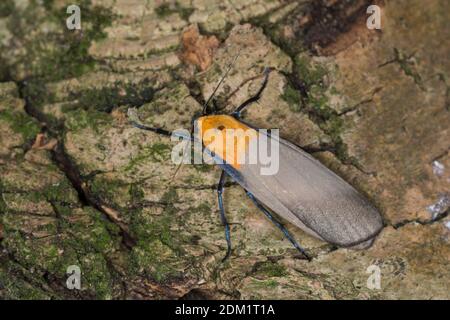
221,128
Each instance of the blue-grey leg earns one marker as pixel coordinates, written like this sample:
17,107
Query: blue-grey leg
136,122
237,113
220,189
278,224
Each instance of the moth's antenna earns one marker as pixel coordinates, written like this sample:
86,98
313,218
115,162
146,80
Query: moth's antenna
220,82
206,105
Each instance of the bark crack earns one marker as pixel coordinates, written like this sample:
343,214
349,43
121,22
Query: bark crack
70,170
438,218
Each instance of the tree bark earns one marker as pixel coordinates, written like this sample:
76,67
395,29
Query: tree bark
79,186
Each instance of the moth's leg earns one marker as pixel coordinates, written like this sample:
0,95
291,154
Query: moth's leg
237,113
278,224
136,122
220,189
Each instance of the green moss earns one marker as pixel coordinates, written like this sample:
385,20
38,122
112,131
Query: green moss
35,90
29,252
13,287
3,206
158,248
318,101
58,53
92,238
21,123
271,269
37,95
61,192
70,57
86,238
21,200
6,8
185,12
309,73
95,276
407,66
108,98
136,193
111,192
102,232
170,196
203,208
203,167
292,97
164,10
263,284
157,228
276,31
160,151
157,152
153,258
312,75
90,232
81,119
167,9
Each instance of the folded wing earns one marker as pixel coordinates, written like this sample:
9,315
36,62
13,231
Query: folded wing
312,197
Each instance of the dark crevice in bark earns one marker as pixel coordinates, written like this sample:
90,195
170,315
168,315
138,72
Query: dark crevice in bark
71,172
407,65
86,198
361,103
441,155
329,19
438,218
316,25
68,167
198,294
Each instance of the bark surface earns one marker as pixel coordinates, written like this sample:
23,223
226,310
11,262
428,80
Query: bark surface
80,186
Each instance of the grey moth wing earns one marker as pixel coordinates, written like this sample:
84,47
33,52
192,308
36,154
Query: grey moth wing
309,195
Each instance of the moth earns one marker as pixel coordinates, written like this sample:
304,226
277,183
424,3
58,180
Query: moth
303,191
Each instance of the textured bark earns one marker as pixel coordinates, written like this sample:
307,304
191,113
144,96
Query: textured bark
80,186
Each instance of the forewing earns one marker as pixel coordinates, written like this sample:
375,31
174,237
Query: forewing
311,196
